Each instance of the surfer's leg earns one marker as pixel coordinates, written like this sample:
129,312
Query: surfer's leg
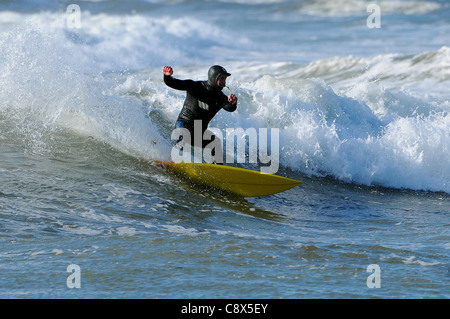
214,143
179,143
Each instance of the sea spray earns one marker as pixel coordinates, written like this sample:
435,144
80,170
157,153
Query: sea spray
46,86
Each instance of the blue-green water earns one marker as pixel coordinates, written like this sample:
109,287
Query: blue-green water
135,233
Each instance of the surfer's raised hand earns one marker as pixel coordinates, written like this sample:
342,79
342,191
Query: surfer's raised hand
167,70
232,99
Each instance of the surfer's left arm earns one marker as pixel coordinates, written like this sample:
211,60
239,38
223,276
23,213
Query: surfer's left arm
231,103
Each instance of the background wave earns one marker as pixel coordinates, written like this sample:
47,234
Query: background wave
372,119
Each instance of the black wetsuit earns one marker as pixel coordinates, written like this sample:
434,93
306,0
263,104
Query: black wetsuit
203,99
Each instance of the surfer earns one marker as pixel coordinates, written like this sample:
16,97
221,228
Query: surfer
203,100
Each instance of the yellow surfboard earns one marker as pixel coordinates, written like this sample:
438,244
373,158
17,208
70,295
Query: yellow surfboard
240,181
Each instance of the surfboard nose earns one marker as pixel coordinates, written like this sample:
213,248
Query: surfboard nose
236,180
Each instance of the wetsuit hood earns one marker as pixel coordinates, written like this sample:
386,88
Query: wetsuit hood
213,74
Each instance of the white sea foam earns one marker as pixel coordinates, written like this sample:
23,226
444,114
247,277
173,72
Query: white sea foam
359,7
324,133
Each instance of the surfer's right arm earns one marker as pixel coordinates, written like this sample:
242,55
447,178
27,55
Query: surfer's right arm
167,70
175,83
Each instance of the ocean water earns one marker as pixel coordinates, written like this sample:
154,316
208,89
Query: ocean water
363,119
